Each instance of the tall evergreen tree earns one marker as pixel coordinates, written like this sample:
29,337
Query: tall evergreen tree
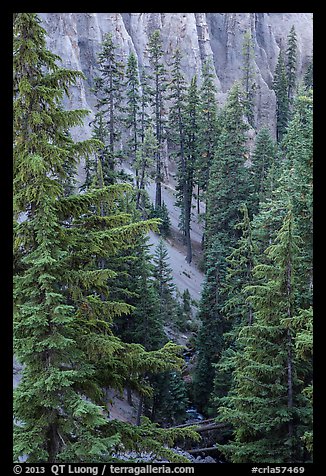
163,282
146,121
308,79
157,99
108,90
238,312
228,188
229,184
48,403
145,161
208,129
298,149
178,137
133,110
291,62
248,56
171,399
265,404
280,86
263,158
62,327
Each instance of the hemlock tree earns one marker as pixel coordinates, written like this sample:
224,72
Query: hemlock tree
280,86
146,121
207,129
144,163
177,136
101,158
291,62
133,110
298,150
157,91
228,188
163,282
47,403
229,182
108,90
62,328
265,405
186,170
248,56
171,399
184,311
238,312
308,79
263,158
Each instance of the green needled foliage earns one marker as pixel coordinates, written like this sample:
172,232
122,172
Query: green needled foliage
93,310
163,282
108,90
144,162
228,188
248,75
179,136
157,85
308,79
291,62
264,404
208,129
270,401
238,312
64,314
298,148
280,86
263,160
133,111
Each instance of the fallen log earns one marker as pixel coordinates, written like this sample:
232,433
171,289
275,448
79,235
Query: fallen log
201,450
212,426
195,423
203,426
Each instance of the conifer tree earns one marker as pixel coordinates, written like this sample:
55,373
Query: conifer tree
229,185
144,163
184,312
280,86
108,90
237,311
298,150
308,79
146,121
186,182
265,405
171,399
263,158
163,282
291,62
208,129
47,404
62,326
181,113
133,110
157,99
228,189
248,55
145,324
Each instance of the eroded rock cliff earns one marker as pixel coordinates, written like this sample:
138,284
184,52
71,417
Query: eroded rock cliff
77,37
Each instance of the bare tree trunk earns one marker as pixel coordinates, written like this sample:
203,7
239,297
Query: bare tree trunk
198,207
129,396
139,410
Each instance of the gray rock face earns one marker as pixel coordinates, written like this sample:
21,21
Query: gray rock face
76,37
